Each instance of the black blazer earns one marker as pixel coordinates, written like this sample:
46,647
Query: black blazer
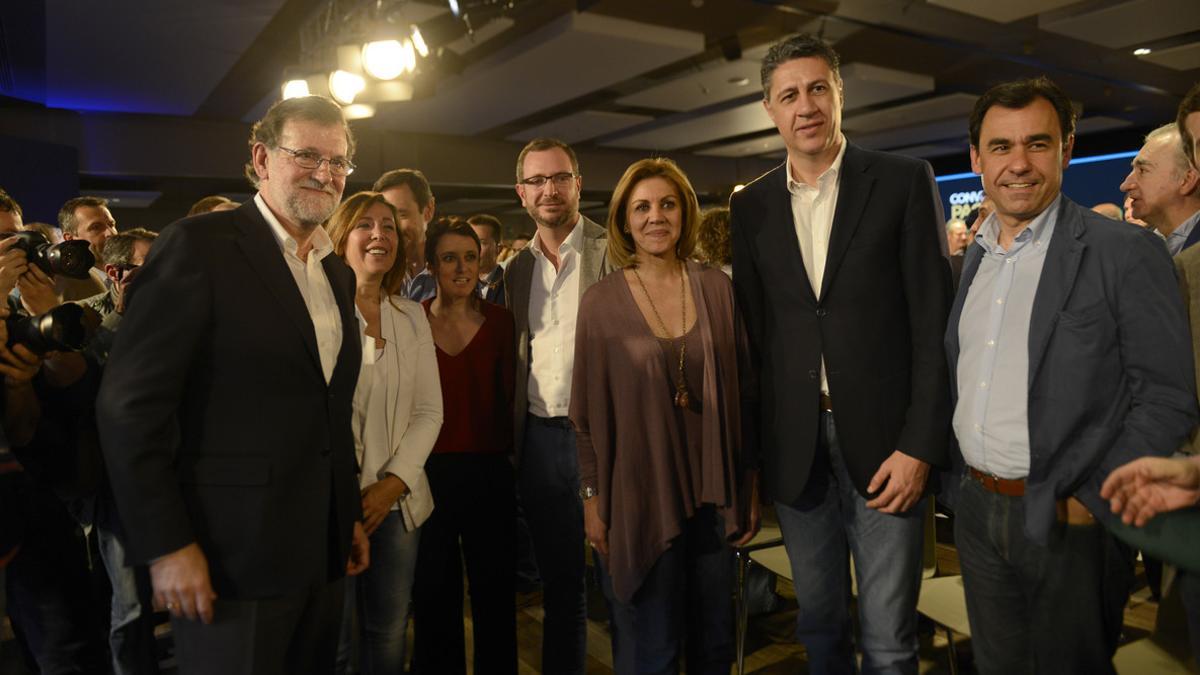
1110,362
216,421
886,293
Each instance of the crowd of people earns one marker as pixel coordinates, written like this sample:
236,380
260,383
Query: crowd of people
293,423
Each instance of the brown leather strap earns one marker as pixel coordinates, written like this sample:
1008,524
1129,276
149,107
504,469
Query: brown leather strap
1009,487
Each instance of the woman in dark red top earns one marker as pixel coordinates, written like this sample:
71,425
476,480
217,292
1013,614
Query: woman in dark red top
469,470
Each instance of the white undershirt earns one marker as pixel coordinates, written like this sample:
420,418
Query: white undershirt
812,215
553,308
313,284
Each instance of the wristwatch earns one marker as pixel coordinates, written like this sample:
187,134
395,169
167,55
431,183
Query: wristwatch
586,493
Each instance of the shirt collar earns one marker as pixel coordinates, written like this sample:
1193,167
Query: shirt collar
827,175
1178,238
573,242
322,245
1037,232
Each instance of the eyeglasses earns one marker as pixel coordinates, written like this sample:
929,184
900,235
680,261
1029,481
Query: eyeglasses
561,180
307,159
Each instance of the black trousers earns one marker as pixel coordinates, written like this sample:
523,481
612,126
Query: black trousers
475,503
296,633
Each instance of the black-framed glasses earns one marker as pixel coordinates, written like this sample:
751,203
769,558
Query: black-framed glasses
561,180
307,159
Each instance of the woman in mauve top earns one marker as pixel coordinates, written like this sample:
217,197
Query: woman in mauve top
397,415
469,470
665,464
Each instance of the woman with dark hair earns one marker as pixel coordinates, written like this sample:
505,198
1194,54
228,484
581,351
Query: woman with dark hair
397,416
664,453
469,470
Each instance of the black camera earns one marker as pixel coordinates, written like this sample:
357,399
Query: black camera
63,329
70,259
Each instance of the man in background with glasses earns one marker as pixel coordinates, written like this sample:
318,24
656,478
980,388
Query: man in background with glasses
543,285
225,412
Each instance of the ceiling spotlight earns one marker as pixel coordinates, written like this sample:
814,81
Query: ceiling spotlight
295,88
409,56
358,111
345,86
1141,51
418,41
385,59
454,8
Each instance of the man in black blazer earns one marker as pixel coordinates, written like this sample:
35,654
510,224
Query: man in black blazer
1069,355
839,260
225,412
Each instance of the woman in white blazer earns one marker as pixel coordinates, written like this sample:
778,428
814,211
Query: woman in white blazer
397,417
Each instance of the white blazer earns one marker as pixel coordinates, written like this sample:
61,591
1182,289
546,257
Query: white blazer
398,406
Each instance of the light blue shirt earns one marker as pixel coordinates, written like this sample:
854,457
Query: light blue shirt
1178,238
991,420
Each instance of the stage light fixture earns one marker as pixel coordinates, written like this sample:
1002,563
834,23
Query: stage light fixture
385,59
344,86
295,88
418,41
409,55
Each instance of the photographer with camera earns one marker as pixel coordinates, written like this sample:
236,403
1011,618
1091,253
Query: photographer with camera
124,254
55,610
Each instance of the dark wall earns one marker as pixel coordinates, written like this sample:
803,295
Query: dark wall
39,175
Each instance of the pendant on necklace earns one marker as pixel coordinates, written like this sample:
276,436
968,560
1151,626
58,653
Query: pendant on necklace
682,400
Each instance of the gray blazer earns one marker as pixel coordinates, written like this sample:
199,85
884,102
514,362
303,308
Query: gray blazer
518,278
1110,361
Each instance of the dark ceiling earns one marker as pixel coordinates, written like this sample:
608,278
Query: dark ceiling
616,78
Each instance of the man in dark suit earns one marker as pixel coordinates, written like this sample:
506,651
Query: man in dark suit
840,268
1068,350
225,412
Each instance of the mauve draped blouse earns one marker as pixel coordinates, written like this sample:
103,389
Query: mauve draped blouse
631,449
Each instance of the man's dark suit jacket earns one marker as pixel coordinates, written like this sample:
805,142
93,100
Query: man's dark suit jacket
885,295
1110,362
216,421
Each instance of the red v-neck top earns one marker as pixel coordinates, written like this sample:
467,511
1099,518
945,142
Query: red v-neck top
477,387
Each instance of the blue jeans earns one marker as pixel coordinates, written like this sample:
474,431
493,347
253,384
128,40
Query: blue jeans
1033,608
830,522
688,593
548,481
379,599
131,631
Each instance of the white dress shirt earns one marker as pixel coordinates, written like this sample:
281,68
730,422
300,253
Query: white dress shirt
553,308
812,215
313,284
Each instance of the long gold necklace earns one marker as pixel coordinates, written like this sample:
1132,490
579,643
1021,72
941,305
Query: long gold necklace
682,399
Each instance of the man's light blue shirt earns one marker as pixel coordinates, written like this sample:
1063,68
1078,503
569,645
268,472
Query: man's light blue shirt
991,420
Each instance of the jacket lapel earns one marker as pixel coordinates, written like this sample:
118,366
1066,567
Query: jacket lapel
854,188
518,279
972,256
349,358
780,232
592,256
1057,280
262,250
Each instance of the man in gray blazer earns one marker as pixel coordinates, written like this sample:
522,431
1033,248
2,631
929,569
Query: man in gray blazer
1069,356
543,285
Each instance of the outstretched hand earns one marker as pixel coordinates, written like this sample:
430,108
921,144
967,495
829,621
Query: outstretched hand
1149,486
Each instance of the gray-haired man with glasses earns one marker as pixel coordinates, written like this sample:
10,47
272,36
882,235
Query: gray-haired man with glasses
225,412
543,285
